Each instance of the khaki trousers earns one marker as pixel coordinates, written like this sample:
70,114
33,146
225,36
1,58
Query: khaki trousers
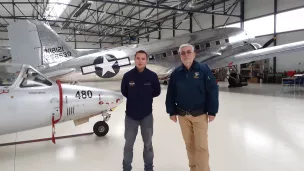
194,131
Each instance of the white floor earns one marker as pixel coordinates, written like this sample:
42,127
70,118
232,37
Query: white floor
258,128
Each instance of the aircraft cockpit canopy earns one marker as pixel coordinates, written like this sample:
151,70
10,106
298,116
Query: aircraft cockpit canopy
34,79
9,74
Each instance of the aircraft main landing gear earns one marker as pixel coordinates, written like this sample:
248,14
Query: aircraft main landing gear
101,128
236,80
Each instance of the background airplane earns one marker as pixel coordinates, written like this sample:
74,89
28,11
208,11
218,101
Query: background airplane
42,47
5,54
29,100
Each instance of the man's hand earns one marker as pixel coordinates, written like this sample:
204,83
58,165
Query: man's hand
211,118
173,118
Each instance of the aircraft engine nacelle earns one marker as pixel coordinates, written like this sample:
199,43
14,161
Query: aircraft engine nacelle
256,46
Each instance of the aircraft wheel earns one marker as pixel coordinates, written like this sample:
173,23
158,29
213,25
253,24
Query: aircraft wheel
232,80
101,128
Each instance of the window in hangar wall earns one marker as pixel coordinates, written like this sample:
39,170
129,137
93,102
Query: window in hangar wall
286,21
260,26
234,25
238,24
290,20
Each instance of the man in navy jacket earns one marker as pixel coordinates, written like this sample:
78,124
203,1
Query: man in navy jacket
139,85
192,97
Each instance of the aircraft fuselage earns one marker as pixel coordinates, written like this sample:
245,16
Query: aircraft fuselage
213,47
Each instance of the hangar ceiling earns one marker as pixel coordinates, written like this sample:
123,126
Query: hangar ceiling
121,20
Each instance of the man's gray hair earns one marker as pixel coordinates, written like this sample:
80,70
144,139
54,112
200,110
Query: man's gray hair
185,45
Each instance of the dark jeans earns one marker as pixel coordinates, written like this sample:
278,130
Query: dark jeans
131,129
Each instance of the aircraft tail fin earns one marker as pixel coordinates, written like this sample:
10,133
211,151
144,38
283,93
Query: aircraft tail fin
37,44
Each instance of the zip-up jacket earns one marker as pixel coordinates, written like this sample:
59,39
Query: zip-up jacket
140,88
192,90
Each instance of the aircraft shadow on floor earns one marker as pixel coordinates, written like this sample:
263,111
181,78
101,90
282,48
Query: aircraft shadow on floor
36,148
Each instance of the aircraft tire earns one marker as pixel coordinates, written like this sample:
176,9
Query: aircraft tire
232,82
101,128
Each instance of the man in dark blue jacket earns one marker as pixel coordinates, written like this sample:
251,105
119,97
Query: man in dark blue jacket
192,97
140,85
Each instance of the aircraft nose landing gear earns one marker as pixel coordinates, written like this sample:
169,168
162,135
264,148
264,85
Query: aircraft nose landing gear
101,128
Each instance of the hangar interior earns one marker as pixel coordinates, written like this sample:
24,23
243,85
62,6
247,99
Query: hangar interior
105,24
258,126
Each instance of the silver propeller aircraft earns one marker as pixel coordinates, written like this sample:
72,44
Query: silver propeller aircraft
29,100
221,47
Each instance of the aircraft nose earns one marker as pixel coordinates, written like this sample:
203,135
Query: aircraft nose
119,98
110,99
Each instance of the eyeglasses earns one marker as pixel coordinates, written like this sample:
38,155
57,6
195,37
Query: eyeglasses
183,53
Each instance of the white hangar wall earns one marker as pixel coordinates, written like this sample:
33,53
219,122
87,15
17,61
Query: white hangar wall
256,8
264,10
3,39
294,60
289,4
262,40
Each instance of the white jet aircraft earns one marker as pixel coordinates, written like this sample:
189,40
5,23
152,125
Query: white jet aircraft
221,47
28,100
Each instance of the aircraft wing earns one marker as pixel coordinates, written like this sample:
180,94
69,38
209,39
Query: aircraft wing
59,73
268,52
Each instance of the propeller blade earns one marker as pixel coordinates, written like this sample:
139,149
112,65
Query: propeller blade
269,42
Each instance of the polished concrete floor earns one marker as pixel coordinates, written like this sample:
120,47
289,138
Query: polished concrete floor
258,128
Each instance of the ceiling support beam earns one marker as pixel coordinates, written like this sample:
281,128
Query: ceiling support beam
242,13
83,22
93,42
190,23
161,7
85,34
173,25
213,20
14,9
275,34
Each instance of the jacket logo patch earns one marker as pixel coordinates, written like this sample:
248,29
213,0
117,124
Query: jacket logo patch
196,74
131,83
147,84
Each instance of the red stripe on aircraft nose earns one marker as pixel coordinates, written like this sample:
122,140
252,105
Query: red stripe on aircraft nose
60,101
60,109
4,91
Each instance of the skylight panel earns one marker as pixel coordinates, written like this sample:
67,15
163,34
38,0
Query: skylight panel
55,8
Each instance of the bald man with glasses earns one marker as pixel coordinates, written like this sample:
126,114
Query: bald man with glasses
192,99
